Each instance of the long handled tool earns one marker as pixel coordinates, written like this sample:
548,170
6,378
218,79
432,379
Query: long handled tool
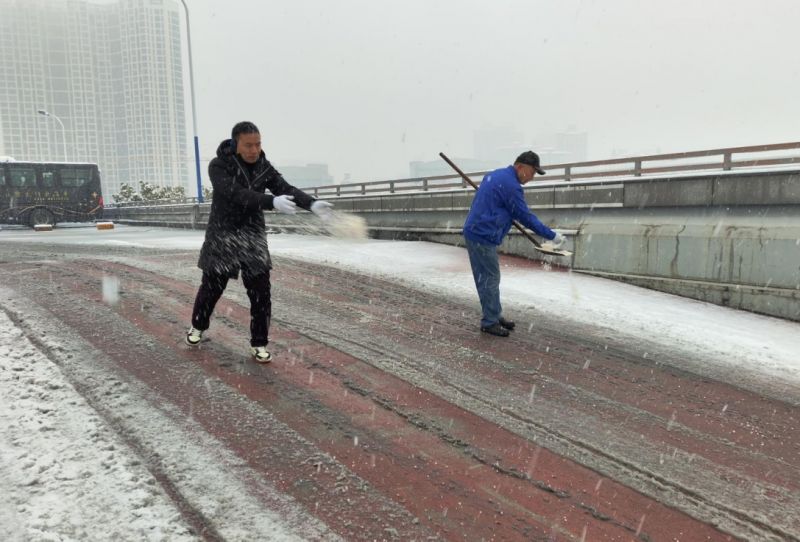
544,249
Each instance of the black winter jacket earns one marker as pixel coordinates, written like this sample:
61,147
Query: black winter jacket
236,235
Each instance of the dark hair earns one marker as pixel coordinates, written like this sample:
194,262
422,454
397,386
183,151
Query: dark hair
244,127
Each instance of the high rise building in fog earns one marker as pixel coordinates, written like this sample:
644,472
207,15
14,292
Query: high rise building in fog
307,176
563,147
503,144
111,71
498,144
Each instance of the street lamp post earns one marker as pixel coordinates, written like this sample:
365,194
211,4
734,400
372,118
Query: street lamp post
194,111
63,132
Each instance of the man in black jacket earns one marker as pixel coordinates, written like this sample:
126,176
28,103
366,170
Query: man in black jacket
236,237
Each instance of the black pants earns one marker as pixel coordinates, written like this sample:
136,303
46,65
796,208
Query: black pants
260,303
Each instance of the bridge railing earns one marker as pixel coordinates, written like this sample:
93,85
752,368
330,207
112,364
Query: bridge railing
726,159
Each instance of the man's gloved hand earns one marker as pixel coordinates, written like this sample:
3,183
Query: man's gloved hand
322,209
558,240
284,204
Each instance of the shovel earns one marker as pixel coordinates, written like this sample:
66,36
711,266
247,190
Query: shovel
546,248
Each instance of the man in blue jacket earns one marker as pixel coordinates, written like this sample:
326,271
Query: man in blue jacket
497,203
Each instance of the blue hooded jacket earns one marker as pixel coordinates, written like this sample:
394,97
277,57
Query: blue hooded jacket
500,200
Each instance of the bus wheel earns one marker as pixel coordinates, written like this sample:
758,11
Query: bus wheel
40,215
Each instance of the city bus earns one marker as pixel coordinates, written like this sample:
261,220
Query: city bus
33,193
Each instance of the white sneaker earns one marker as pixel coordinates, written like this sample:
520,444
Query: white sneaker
194,336
260,354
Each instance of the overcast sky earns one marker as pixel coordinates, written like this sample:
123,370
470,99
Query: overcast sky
368,85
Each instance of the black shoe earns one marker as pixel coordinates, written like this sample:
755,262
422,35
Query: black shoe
508,324
495,329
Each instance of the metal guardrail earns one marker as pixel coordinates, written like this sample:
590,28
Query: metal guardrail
637,166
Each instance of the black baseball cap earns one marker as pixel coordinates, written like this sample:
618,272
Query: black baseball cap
530,158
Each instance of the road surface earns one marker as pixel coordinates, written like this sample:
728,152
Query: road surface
387,416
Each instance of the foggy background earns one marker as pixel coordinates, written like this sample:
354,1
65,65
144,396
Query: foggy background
367,87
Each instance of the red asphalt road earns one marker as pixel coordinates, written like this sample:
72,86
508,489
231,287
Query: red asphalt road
408,463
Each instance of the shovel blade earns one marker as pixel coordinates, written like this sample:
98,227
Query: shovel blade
548,248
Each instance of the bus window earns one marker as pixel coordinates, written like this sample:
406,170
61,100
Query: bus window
2,177
22,177
48,178
74,177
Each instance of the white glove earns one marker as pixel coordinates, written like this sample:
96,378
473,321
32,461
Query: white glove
322,209
558,240
284,204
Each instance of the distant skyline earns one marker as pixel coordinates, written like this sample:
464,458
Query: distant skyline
367,87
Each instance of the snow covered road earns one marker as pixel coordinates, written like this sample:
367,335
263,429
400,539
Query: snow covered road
611,413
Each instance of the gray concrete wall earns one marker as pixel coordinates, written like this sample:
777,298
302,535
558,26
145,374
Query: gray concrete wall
732,239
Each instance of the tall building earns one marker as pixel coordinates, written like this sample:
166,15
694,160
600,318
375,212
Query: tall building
440,167
503,144
498,144
111,72
307,176
564,147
